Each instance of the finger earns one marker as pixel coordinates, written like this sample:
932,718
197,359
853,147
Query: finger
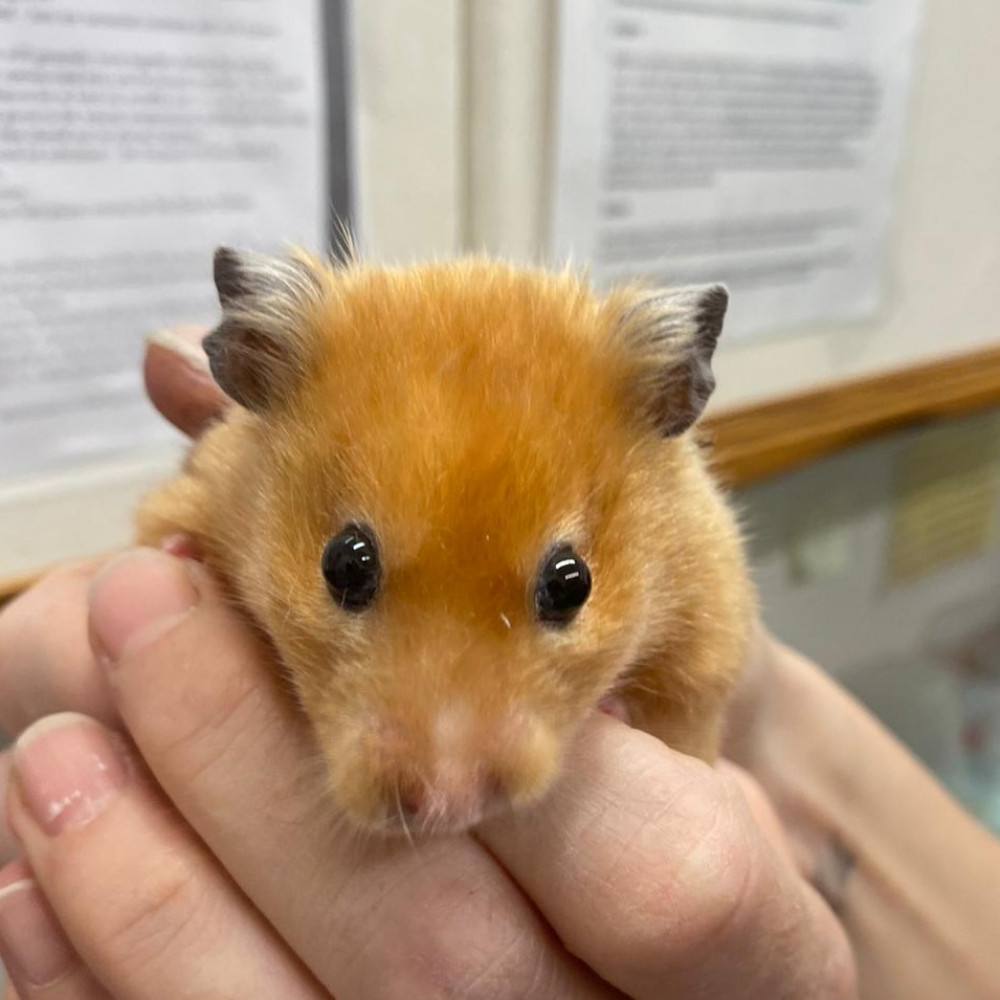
178,379
143,903
38,958
374,918
761,810
9,849
46,664
648,863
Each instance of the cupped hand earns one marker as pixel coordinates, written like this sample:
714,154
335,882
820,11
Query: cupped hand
200,853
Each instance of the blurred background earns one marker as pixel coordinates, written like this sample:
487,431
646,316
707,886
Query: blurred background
836,162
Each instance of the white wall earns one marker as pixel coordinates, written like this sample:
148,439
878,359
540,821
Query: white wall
423,146
943,262
943,270
409,113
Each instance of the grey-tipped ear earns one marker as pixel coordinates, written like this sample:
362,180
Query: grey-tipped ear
673,334
258,351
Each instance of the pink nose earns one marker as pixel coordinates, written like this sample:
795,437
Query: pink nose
448,804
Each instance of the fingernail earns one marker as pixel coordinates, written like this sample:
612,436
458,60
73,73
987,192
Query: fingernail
187,347
67,769
34,949
136,599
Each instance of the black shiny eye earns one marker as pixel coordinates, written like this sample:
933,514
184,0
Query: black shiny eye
351,567
563,586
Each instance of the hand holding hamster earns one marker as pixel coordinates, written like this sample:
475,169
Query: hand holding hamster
463,503
210,867
541,903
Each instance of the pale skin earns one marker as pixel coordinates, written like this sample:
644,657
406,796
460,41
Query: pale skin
195,857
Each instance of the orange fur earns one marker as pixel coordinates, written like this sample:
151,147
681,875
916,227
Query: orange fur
474,414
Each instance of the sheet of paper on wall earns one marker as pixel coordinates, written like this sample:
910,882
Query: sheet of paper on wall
135,136
750,141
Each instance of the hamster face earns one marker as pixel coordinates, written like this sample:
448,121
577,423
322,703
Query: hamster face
461,526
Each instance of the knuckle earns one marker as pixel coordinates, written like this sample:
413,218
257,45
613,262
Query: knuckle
145,926
25,611
204,737
684,898
45,660
193,697
841,970
28,618
519,969
490,952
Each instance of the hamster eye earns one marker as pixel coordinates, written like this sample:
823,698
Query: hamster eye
563,586
351,567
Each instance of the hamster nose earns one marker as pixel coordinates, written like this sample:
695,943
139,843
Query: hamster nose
448,805
447,772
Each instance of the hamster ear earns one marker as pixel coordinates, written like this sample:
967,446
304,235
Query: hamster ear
259,350
671,335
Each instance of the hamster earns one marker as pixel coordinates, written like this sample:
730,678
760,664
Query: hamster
464,502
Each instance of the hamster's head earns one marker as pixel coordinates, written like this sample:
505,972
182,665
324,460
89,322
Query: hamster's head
474,509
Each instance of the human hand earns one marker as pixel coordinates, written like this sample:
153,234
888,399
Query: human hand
181,387
658,873
791,726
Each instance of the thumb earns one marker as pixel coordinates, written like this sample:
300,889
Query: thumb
178,379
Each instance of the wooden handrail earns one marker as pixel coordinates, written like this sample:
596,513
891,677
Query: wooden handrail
760,440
